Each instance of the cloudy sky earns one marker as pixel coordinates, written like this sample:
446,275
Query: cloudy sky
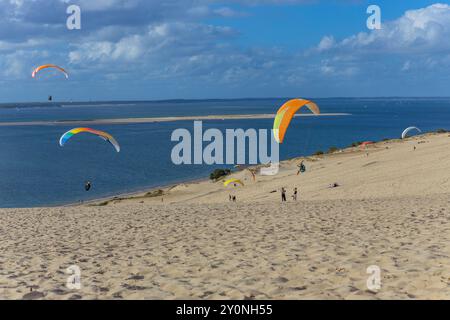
169,49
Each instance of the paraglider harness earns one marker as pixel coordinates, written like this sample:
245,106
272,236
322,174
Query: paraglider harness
302,168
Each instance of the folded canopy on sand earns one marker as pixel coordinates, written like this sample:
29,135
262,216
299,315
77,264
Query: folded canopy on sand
287,112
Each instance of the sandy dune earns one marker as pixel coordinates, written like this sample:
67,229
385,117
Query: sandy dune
392,210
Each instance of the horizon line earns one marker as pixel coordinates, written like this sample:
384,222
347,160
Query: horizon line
222,99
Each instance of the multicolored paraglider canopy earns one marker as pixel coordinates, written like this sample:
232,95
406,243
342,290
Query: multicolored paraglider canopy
234,182
105,136
286,113
46,66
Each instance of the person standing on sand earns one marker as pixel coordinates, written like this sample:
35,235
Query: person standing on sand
253,174
283,194
294,196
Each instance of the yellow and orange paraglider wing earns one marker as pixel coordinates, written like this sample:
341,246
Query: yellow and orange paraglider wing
287,112
46,66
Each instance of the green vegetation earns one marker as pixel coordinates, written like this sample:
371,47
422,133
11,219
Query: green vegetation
333,149
156,193
219,173
318,153
356,144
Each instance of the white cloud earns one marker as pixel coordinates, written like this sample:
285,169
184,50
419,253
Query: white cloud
406,66
422,30
171,42
326,43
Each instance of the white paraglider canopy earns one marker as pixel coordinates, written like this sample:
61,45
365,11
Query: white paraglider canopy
407,130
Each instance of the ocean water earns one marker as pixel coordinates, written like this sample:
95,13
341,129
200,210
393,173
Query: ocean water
36,171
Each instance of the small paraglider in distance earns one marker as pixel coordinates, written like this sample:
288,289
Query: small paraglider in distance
364,146
50,98
407,130
234,183
49,66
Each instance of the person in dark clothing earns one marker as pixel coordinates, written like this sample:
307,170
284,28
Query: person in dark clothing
294,196
283,194
301,168
87,186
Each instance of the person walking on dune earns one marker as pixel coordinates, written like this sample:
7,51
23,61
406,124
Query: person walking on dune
283,194
294,196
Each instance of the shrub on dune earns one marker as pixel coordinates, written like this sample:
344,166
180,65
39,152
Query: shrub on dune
333,149
219,173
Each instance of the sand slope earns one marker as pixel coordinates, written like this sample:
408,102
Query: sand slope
392,210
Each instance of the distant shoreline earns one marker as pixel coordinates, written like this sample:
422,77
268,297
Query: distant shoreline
12,104
158,119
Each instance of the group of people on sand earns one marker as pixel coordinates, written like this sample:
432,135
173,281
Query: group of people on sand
283,194
301,169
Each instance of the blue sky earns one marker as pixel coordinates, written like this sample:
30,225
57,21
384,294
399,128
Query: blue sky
146,49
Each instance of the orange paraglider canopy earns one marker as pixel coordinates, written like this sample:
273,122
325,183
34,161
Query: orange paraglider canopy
46,66
287,112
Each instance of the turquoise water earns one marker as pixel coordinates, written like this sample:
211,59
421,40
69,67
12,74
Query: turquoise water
35,171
